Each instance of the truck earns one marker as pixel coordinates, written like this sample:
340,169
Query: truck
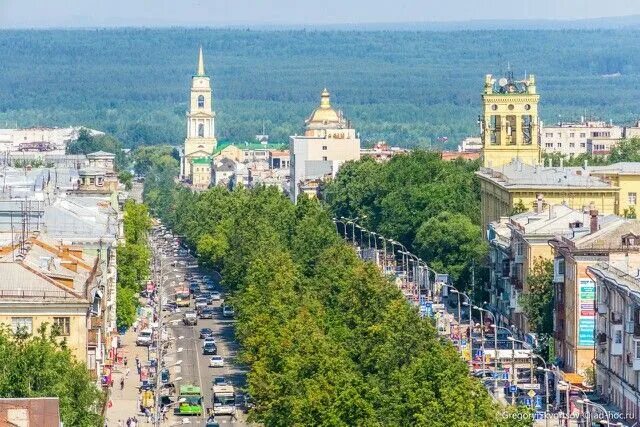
190,399
224,400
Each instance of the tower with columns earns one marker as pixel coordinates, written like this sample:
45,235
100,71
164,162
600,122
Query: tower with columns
201,141
509,121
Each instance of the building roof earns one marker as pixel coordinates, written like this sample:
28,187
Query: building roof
519,175
622,168
200,70
225,165
625,275
609,236
36,411
103,154
201,161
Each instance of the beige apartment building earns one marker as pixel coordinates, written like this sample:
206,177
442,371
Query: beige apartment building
328,142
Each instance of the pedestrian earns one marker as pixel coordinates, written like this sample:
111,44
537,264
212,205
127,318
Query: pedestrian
125,361
126,373
122,383
119,423
129,422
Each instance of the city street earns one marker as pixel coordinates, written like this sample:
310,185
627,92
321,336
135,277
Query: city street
194,368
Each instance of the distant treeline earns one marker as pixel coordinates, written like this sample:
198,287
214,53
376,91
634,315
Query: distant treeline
410,88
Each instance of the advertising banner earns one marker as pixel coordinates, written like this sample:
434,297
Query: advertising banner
587,318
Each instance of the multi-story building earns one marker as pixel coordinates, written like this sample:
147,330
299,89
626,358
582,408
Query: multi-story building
572,139
329,141
632,131
617,328
509,121
596,239
48,283
503,295
201,141
200,177
279,159
53,141
382,152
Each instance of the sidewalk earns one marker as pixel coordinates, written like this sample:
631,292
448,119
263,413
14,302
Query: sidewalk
125,403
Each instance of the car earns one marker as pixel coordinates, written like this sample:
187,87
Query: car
209,340
216,296
483,373
216,362
170,306
201,302
227,310
219,381
144,338
209,349
190,318
206,313
205,333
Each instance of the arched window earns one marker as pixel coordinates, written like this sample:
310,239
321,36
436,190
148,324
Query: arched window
201,130
201,101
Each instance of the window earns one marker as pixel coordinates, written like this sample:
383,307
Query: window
22,325
548,144
324,147
572,135
617,337
62,326
583,135
201,130
572,144
559,135
582,144
201,101
633,197
559,144
549,134
324,158
637,349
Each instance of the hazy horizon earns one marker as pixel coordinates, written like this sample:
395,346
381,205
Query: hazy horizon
222,13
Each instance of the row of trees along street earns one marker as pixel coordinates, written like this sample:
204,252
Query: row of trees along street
328,340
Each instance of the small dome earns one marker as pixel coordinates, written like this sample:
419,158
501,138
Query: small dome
324,114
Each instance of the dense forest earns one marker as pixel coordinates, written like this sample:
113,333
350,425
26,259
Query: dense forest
408,87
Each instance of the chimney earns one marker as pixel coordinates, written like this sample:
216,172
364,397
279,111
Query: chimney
539,200
593,213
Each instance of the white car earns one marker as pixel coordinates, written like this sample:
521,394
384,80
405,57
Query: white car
208,340
216,362
227,310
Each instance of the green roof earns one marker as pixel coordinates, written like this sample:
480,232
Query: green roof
189,389
201,160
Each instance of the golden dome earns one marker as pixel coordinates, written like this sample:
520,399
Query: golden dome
324,114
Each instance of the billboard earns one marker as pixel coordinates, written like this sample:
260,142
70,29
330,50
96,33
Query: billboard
587,317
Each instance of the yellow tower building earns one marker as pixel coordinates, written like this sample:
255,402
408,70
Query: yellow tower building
201,141
509,121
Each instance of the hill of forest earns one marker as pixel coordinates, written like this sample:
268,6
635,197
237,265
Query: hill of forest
408,87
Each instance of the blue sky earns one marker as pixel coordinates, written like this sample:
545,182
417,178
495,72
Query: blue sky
91,13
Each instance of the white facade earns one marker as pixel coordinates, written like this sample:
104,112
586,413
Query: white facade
572,139
328,142
52,140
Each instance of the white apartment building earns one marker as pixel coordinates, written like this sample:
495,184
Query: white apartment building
52,140
572,139
328,142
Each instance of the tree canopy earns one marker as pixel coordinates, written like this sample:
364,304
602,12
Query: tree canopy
329,341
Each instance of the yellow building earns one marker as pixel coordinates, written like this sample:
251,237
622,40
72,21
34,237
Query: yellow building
509,121
626,177
201,140
200,173
47,283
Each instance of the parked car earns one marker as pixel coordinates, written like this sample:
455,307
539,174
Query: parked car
206,333
144,338
216,362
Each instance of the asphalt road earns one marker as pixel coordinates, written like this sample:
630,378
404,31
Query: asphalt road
194,368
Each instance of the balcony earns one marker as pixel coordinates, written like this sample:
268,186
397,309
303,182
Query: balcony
92,337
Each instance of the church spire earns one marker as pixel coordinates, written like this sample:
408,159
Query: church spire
200,63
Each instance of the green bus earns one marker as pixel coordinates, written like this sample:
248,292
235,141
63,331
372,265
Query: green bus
190,399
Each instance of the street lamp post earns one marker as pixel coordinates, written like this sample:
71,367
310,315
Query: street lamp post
481,310
495,355
586,402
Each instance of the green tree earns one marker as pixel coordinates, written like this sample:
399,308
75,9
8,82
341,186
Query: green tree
518,208
39,365
538,302
87,143
126,178
452,243
627,150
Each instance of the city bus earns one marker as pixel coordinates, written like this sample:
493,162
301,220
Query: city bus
190,399
183,296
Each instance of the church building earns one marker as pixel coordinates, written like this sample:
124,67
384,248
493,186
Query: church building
201,142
